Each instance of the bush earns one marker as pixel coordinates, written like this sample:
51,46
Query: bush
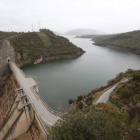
94,125
136,76
125,93
79,98
133,112
80,105
117,103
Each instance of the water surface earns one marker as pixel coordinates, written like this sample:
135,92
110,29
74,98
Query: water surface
64,79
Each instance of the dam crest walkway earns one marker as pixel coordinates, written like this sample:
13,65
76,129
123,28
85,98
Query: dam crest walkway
45,114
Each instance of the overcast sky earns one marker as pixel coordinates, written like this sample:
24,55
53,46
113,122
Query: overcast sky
109,16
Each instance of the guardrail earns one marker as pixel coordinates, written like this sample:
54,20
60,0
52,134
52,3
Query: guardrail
57,113
37,114
42,100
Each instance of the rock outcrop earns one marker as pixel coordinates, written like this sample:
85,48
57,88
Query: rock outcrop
38,61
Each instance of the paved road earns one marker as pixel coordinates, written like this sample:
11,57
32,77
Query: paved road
105,96
46,116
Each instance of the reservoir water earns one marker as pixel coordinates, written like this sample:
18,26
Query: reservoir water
64,79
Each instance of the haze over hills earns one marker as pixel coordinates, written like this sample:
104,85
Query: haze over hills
84,32
57,33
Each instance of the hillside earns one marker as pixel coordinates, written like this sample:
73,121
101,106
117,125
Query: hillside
83,32
4,35
115,120
127,95
129,41
41,46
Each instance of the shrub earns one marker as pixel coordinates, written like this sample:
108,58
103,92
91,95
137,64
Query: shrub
136,76
125,93
80,105
117,103
133,112
79,98
94,125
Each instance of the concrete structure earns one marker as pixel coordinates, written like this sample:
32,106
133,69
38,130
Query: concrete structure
47,115
28,108
28,104
19,118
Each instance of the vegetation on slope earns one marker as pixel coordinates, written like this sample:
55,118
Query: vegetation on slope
30,44
127,95
59,44
100,122
4,35
128,41
41,44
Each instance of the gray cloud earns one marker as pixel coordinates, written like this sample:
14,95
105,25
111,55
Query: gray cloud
109,16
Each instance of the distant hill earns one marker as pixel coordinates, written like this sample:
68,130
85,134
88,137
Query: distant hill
129,41
84,32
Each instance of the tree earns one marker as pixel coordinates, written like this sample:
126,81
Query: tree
92,125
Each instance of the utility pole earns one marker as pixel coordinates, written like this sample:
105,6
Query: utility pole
39,24
32,28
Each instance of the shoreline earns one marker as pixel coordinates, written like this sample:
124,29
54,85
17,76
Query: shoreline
49,58
116,47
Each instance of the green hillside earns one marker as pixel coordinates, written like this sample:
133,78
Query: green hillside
128,41
42,44
4,35
128,93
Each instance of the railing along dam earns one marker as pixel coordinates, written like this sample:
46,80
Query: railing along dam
45,114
